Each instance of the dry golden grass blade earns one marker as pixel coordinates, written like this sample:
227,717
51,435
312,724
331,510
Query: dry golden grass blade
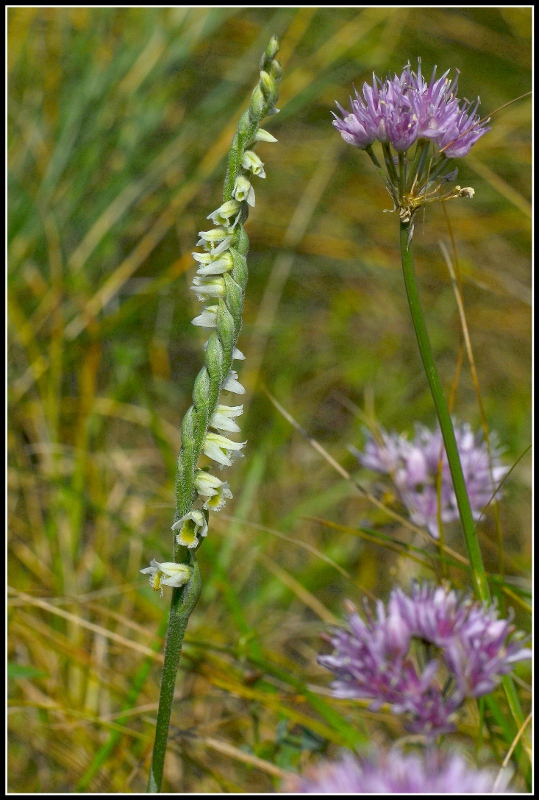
137,415
122,619
300,591
27,556
500,185
240,755
272,702
291,540
22,597
395,546
512,748
468,344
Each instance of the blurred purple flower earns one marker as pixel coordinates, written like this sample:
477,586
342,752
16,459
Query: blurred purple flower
373,659
476,646
413,466
404,109
395,772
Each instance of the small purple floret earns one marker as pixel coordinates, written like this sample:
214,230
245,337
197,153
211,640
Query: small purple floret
372,659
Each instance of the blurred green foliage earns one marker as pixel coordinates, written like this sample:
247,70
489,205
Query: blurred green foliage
119,123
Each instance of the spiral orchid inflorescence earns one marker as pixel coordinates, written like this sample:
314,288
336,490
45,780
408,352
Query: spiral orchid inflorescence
220,284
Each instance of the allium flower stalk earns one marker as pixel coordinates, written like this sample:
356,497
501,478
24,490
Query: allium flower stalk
421,126
404,112
220,284
387,659
413,467
395,772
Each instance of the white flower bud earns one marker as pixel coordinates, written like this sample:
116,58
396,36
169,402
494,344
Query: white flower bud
216,236
224,213
263,136
213,265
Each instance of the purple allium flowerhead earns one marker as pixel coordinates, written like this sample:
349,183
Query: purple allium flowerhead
374,659
395,772
405,109
413,467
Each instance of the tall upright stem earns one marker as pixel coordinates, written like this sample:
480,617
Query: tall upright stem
479,577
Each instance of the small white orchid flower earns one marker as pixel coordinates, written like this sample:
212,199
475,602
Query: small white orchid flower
208,287
211,265
223,419
224,213
206,484
243,191
215,491
190,527
252,162
208,318
220,449
231,383
217,501
216,236
166,573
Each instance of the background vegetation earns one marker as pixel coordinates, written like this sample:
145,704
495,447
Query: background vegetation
119,122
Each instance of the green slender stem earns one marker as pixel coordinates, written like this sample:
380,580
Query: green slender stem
418,160
479,577
389,186
390,166
183,602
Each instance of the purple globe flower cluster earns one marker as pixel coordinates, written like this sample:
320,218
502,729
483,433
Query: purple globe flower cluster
413,467
405,109
395,772
374,660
